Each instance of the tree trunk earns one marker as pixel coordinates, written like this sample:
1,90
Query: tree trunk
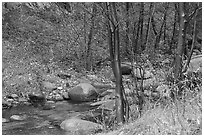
127,4
114,47
151,12
141,26
193,44
158,37
119,96
166,6
174,29
179,51
154,26
186,27
88,52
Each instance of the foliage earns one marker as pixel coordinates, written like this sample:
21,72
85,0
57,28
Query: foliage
52,36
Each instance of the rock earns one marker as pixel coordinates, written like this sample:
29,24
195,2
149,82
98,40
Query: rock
6,104
22,99
195,64
17,117
64,76
4,120
92,77
125,69
65,95
14,96
59,88
50,102
83,92
10,100
79,126
49,85
58,97
37,99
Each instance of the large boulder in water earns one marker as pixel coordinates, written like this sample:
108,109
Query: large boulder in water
83,92
78,126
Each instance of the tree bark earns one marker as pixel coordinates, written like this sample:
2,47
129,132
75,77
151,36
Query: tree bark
127,5
174,29
151,12
154,26
193,44
88,51
114,47
139,38
179,51
186,27
158,37
141,26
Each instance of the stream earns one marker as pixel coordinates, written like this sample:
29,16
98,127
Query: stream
39,121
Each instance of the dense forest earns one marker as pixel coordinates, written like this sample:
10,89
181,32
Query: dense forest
102,68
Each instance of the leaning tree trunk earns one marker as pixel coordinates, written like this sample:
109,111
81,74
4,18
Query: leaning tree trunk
179,51
193,44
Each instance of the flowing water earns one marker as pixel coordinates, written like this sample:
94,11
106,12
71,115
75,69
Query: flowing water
38,121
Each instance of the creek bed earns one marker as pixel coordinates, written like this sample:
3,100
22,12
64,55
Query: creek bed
42,122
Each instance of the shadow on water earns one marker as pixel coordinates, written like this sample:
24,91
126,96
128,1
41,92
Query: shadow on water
39,121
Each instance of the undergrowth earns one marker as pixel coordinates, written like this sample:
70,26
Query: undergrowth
180,114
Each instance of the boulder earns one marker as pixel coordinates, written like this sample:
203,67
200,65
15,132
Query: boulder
37,99
126,69
64,76
79,126
14,96
6,104
65,95
4,120
83,92
49,85
195,64
18,117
